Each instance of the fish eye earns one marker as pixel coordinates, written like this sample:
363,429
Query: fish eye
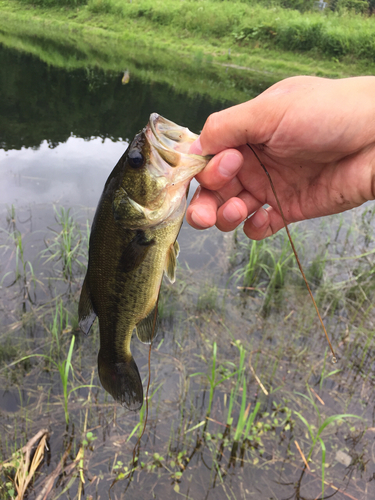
136,159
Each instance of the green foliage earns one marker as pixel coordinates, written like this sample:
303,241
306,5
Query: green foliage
314,273
335,36
245,420
208,298
64,367
301,5
105,7
269,263
292,25
66,246
357,6
56,3
215,371
195,17
315,434
89,439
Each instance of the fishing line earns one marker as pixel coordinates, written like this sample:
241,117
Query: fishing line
138,443
334,359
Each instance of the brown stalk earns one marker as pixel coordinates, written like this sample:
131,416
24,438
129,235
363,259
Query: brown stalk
302,455
334,359
50,479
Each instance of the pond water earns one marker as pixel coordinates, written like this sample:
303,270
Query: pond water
242,386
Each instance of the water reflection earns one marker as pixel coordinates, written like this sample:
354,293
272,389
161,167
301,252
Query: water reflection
63,135
71,174
86,103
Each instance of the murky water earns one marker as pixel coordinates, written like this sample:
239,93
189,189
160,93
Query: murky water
62,133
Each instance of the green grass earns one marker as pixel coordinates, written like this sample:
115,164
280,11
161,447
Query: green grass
68,247
268,265
64,367
315,434
327,33
230,53
207,299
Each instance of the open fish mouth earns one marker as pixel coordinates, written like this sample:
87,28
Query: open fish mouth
170,135
170,144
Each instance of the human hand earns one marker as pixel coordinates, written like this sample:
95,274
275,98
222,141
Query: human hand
316,138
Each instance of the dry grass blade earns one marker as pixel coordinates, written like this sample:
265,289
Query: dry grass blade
49,481
302,455
27,467
317,396
257,378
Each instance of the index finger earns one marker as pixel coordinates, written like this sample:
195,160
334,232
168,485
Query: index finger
253,122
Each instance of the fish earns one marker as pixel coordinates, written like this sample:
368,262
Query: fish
133,243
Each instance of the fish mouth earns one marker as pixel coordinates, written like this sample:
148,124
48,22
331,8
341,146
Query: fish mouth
171,143
170,135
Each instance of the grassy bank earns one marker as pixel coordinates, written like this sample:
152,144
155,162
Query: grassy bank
202,47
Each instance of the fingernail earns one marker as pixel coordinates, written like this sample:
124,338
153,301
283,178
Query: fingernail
260,218
196,148
229,164
197,220
231,213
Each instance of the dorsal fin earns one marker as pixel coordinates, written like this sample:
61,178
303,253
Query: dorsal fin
171,261
86,313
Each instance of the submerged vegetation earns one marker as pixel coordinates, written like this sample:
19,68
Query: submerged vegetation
241,385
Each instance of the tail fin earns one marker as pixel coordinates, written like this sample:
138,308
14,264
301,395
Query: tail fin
122,381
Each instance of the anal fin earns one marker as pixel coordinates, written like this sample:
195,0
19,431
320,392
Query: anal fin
146,329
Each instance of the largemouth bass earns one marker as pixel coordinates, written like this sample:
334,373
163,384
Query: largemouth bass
133,243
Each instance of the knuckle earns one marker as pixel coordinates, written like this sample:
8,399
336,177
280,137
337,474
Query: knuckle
211,128
211,122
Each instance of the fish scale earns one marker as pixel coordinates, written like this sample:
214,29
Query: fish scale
133,243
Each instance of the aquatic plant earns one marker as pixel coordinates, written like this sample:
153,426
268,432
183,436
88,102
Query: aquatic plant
24,270
316,435
66,246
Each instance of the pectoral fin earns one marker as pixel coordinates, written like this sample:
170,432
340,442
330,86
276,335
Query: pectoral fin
171,262
86,313
135,252
147,328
